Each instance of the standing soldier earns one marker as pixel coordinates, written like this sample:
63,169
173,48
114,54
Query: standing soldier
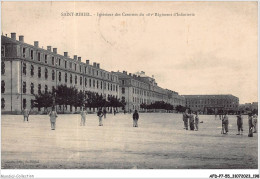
250,125
105,112
185,119
83,117
197,122
240,124
53,115
26,114
100,115
191,121
255,122
225,123
135,118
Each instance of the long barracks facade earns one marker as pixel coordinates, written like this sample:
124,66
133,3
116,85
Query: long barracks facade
27,70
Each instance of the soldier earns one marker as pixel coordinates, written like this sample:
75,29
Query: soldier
105,112
26,114
191,122
255,122
135,118
53,115
83,117
197,122
250,125
225,123
240,124
185,119
100,115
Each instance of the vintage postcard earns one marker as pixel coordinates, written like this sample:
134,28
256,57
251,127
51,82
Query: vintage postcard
129,85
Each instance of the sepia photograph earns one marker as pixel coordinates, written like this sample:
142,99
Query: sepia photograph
129,85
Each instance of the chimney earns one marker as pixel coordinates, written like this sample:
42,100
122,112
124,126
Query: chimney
75,57
98,65
36,43
94,64
13,36
54,50
65,54
130,74
87,62
49,48
21,38
79,59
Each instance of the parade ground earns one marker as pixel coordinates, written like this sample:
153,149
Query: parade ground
160,142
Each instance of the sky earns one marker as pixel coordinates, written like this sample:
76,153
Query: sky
212,52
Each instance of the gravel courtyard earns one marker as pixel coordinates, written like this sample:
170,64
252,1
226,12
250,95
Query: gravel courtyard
160,142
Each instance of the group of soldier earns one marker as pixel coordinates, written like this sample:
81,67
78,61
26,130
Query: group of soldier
191,119
83,113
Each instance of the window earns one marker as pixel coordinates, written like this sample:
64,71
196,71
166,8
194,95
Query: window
23,53
75,67
53,89
46,88
59,76
71,78
104,85
46,73
108,86
24,103
80,81
116,88
111,87
65,64
97,72
2,86
24,68
80,68
97,84
39,88
2,50
32,88
85,70
89,82
53,75
2,67
86,82
32,70
45,58
39,56
2,103
32,54
59,61
66,77
123,90
101,85
123,82
52,60
94,83
39,72
24,87
70,65
76,79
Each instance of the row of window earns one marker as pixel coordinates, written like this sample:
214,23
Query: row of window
202,106
65,64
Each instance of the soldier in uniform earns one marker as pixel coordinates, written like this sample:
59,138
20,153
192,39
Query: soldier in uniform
83,117
255,122
53,115
26,114
239,124
100,115
135,119
197,122
185,119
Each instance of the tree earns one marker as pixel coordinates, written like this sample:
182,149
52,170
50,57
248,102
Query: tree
44,100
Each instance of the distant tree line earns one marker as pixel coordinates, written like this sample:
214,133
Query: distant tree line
64,96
